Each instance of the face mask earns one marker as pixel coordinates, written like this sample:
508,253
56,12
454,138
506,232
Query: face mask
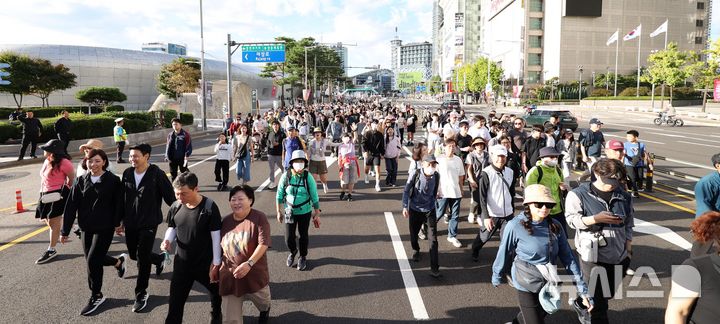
346,140
429,170
298,166
552,163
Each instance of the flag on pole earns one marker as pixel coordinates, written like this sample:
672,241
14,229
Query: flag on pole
633,34
613,38
660,30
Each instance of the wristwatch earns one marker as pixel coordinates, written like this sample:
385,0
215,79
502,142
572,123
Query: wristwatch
250,262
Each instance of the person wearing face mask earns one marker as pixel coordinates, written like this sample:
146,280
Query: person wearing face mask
349,166
547,172
476,161
434,128
601,212
375,150
96,200
296,204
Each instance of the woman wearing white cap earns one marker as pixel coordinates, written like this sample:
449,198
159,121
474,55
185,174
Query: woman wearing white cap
85,149
532,243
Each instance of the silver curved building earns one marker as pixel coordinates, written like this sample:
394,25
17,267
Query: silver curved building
134,73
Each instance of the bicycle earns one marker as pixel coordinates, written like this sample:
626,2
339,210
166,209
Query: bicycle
664,118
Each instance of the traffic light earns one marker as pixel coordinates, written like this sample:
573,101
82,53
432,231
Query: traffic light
4,73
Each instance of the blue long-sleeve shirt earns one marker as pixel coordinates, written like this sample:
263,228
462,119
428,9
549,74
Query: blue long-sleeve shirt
424,195
707,193
534,249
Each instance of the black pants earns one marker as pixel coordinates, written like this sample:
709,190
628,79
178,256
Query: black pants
95,246
599,315
139,245
484,235
636,178
183,277
475,202
175,165
302,224
26,140
531,312
416,221
224,166
391,166
65,138
120,149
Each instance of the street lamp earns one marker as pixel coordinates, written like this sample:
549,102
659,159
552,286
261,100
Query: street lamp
580,68
203,87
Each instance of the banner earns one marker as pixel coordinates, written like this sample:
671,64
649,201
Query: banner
716,90
517,90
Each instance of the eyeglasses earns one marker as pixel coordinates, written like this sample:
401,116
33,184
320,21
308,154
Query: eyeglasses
518,123
547,205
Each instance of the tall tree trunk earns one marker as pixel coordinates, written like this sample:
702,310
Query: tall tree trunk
15,97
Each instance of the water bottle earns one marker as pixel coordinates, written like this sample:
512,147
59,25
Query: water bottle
166,258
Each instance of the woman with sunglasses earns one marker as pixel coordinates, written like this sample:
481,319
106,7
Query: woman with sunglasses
530,241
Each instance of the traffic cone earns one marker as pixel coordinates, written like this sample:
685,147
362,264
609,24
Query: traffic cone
18,203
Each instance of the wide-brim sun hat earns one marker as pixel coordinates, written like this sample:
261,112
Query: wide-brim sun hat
117,120
548,152
478,140
54,146
317,130
537,193
299,155
92,144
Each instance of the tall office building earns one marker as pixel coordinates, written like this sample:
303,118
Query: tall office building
410,63
342,51
168,48
457,27
537,40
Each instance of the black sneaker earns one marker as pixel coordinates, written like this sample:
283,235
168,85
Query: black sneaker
435,274
290,260
581,311
475,256
302,263
416,256
92,305
140,302
160,266
264,317
47,256
77,232
121,269
342,195
636,195
349,197
219,187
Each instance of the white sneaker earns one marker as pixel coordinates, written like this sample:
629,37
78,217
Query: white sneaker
455,242
324,187
377,187
371,173
367,180
272,185
630,272
471,218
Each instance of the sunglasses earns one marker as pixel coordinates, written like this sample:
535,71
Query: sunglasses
545,204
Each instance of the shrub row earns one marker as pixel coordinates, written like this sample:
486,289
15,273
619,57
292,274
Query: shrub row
679,93
47,112
96,125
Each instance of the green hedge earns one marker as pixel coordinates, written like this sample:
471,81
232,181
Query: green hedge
47,112
96,125
115,108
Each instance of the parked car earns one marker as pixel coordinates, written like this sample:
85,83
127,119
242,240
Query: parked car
450,104
542,117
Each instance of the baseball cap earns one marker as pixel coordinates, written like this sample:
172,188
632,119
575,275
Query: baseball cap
430,159
291,128
595,121
615,145
498,150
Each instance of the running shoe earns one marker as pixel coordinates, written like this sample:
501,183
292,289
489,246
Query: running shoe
47,256
455,242
302,263
121,269
264,316
92,305
324,187
366,179
471,218
342,195
140,302
422,235
377,187
290,260
349,197
435,274
77,232
416,256
272,185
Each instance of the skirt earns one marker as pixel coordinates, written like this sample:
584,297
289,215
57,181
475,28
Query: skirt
53,209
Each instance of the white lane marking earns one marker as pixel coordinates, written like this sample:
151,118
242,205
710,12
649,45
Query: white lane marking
661,232
666,131
411,288
667,135
203,161
698,144
689,163
329,160
644,140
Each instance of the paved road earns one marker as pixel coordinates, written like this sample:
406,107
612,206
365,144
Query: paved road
354,269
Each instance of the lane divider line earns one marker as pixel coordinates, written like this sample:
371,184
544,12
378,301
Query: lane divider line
665,202
24,237
661,232
411,287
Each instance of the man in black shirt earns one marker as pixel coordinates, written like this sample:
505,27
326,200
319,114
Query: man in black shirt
32,130
195,221
63,127
146,186
463,140
531,148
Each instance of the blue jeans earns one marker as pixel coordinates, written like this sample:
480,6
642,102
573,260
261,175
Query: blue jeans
454,205
391,165
242,168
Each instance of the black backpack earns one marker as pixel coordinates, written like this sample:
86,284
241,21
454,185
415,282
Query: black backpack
305,183
416,182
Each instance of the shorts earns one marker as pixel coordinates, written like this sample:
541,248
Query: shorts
373,160
350,174
318,167
411,128
53,209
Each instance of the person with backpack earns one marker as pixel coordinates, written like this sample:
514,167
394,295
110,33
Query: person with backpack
243,151
547,173
476,161
591,143
145,188
635,157
419,208
195,222
297,203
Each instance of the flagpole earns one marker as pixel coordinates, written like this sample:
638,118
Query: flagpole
617,51
637,90
662,90
666,31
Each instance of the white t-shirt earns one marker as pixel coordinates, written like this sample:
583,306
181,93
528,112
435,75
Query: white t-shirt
94,179
481,132
450,170
138,177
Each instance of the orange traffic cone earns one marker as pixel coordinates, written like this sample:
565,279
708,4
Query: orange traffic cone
18,203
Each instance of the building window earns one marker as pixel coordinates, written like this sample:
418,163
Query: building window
533,77
536,24
699,23
534,59
698,40
536,6
535,41
701,5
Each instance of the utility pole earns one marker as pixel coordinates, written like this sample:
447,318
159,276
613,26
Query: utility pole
203,87
230,44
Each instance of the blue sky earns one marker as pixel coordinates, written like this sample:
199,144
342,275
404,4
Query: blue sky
129,23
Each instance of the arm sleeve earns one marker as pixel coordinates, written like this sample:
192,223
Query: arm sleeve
280,196
483,186
703,197
170,234
506,249
217,252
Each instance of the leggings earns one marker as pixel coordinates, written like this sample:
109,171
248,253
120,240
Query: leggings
95,246
302,224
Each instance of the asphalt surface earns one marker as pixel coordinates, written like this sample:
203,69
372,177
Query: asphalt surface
354,273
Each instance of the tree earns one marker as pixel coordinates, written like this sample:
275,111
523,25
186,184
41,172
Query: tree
21,75
436,84
670,66
473,77
100,96
179,76
50,78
